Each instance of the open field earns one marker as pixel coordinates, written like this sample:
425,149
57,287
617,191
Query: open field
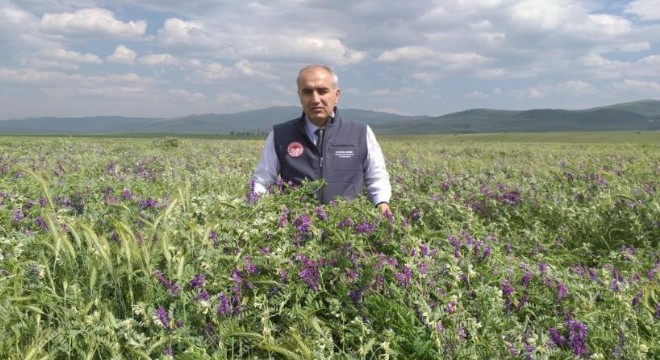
501,246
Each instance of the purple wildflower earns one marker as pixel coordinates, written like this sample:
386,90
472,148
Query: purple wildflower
283,275
346,223
577,337
320,213
168,352
310,275
423,268
302,223
252,196
486,253
507,289
543,266
416,215
249,265
213,236
197,281
356,295
236,277
556,338
279,183
41,223
365,228
223,306
284,218
424,250
127,194
439,327
149,203
202,296
526,278
17,215
163,317
657,310
614,285
403,278
562,290
43,201
462,334
171,287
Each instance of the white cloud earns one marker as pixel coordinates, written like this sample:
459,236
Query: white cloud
180,32
92,22
75,57
645,9
31,75
651,88
429,57
122,55
543,15
187,95
159,59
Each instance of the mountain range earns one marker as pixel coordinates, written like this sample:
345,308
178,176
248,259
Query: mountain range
643,115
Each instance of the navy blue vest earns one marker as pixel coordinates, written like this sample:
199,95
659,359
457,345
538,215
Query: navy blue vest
342,165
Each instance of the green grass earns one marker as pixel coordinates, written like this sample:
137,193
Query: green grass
110,246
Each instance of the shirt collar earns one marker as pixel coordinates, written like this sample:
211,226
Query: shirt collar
310,127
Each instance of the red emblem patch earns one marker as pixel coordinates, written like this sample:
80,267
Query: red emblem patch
295,149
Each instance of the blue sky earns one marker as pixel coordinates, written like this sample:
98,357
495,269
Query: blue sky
167,58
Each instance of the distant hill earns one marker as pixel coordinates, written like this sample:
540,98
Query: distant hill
641,115
633,116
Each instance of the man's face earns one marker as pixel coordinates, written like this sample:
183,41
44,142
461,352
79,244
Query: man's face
318,96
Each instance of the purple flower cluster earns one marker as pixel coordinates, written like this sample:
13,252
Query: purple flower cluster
562,290
320,213
507,289
163,317
346,223
213,236
577,337
17,215
149,203
249,265
172,287
197,281
404,277
364,228
303,223
224,307
310,271
284,218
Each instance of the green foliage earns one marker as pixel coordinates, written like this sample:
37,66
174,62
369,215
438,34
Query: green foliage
129,248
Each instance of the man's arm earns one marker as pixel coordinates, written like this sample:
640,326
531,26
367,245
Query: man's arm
268,167
376,175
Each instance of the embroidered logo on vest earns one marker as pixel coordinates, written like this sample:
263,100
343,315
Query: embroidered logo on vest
295,149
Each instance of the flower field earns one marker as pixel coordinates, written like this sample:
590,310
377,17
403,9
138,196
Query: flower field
153,248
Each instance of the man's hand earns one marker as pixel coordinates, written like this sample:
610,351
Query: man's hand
384,207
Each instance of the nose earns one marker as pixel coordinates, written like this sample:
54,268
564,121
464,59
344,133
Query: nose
316,97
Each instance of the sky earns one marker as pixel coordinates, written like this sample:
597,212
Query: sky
173,58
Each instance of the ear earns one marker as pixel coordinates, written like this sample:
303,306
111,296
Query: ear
337,94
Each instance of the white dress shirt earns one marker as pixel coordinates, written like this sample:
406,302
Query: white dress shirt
376,176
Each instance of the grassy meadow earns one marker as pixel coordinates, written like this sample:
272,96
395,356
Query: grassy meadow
501,246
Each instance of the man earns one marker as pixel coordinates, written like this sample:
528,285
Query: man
322,145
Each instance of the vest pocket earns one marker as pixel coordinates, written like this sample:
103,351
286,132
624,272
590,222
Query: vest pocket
335,189
344,157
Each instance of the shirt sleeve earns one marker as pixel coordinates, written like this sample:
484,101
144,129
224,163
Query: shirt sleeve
376,176
268,167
